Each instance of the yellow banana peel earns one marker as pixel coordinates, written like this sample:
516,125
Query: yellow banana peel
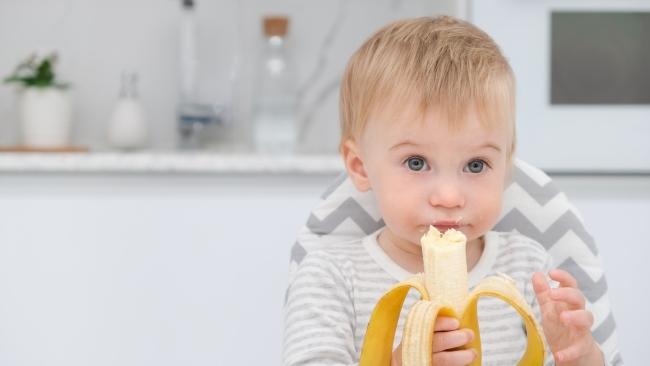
443,289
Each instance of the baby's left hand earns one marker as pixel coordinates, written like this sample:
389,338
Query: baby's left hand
566,322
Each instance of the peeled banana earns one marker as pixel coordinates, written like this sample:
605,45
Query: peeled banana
443,289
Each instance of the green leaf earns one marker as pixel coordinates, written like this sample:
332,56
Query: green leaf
34,73
44,72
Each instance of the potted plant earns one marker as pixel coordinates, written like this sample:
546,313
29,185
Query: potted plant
44,104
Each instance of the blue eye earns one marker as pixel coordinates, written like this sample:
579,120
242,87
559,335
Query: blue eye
416,163
475,166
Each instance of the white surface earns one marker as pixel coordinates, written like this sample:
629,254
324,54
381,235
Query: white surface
170,162
562,137
187,269
132,270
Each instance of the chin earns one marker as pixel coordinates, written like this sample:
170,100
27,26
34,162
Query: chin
415,238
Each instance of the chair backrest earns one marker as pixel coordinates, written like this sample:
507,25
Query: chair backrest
532,206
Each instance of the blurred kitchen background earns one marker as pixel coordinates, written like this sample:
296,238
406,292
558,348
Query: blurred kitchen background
155,228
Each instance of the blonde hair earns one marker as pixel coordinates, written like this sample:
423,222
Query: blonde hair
443,62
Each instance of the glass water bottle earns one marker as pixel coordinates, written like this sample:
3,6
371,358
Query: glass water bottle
275,98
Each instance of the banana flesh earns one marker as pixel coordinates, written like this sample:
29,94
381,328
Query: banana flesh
443,288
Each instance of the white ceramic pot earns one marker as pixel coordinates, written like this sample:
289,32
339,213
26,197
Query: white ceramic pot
45,117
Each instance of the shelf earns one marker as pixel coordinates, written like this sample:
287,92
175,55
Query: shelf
168,162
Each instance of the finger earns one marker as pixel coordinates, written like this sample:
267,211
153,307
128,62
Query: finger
454,358
445,323
581,319
573,352
443,341
572,296
563,277
542,289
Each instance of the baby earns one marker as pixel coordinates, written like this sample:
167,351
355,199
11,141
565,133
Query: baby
427,113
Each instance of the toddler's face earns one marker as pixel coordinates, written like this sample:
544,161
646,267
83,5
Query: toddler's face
423,173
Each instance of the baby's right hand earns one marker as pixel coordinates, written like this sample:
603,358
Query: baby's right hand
447,336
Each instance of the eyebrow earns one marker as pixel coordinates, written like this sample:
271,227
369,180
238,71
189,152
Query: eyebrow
404,143
488,145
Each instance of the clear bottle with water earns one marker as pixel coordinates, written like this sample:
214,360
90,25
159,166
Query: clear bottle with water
275,95
200,124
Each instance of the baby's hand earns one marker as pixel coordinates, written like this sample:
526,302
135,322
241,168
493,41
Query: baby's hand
446,339
447,336
566,322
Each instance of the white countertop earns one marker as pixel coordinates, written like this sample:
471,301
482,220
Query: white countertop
168,162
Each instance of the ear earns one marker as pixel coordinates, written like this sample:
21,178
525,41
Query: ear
354,165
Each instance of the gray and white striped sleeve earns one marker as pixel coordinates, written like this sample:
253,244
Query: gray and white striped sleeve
319,315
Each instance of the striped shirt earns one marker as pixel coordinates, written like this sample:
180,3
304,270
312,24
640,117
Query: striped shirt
334,291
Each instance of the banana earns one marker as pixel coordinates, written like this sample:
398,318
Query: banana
443,288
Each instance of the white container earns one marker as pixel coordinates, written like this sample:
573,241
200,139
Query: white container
45,117
127,128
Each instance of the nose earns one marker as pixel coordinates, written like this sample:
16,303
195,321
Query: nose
447,194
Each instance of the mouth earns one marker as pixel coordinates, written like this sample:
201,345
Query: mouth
443,226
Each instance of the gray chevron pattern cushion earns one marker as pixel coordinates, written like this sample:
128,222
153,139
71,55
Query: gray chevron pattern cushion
533,206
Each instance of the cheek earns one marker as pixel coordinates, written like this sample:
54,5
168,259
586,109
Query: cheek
493,207
488,203
399,207
392,205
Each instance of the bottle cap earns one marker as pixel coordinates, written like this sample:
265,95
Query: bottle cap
275,26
